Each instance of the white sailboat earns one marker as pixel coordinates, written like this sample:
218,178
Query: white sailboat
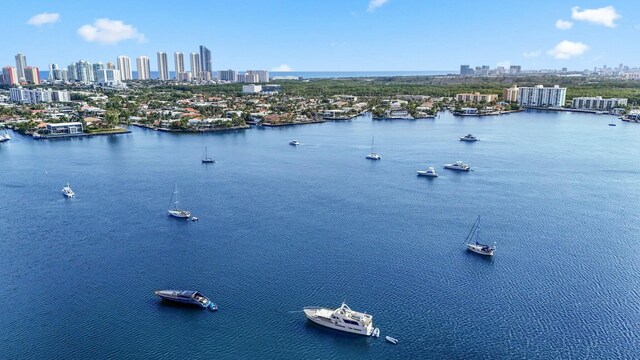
474,245
373,155
175,211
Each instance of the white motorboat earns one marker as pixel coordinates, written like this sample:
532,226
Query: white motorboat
458,165
342,319
468,137
373,155
67,192
394,341
189,297
473,244
4,136
175,211
430,172
294,142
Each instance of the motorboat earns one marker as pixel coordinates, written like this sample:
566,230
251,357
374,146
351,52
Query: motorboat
430,172
4,136
458,165
294,142
392,340
206,159
189,297
473,243
175,211
342,319
373,155
612,124
468,137
67,192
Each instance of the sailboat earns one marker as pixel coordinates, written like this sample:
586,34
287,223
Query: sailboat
4,136
474,245
373,155
175,211
206,159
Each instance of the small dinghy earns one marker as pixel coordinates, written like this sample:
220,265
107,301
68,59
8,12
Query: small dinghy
394,341
376,332
213,307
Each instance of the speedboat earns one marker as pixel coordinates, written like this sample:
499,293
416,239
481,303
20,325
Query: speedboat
66,191
294,142
394,341
342,319
458,165
612,124
189,297
473,244
468,137
430,172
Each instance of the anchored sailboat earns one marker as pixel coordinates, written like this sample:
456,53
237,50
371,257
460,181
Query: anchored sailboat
474,245
175,211
373,155
206,159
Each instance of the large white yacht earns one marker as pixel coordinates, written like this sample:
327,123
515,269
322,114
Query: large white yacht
458,165
342,318
430,172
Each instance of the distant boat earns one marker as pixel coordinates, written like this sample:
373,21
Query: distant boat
294,142
430,172
175,211
4,136
612,124
458,165
394,341
342,319
468,137
67,192
206,159
373,155
474,245
189,297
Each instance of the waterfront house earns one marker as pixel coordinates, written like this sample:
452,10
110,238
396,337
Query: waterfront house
65,128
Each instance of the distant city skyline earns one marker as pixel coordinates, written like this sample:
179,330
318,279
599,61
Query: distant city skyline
366,35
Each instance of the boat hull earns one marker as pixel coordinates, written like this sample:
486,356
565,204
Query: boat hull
180,214
427,174
310,314
479,250
171,295
456,168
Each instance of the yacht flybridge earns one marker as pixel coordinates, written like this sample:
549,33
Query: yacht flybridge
342,319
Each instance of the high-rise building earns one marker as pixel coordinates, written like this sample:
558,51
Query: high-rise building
263,75
52,71
97,67
124,65
144,68
515,69
598,103
465,70
32,75
510,94
110,65
228,75
542,96
21,63
195,65
178,59
109,77
82,71
163,66
205,62
251,78
10,75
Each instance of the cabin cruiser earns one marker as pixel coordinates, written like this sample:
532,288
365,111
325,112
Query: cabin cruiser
342,318
67,192
430,172
374,156
189,297
468,137
458,165
294,142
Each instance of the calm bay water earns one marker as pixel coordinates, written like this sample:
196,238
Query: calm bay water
285,227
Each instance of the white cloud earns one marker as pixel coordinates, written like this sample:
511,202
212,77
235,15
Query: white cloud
605,16
568,49
532,54
283,67
563,24
374,4
107,31
44,18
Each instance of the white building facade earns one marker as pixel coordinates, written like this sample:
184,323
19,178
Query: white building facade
598,103
540,96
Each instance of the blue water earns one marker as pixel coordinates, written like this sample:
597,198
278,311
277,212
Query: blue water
318,74
284,227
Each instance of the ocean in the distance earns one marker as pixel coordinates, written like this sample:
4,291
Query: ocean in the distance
284,227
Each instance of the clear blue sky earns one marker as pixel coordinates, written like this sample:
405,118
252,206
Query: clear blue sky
330,35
